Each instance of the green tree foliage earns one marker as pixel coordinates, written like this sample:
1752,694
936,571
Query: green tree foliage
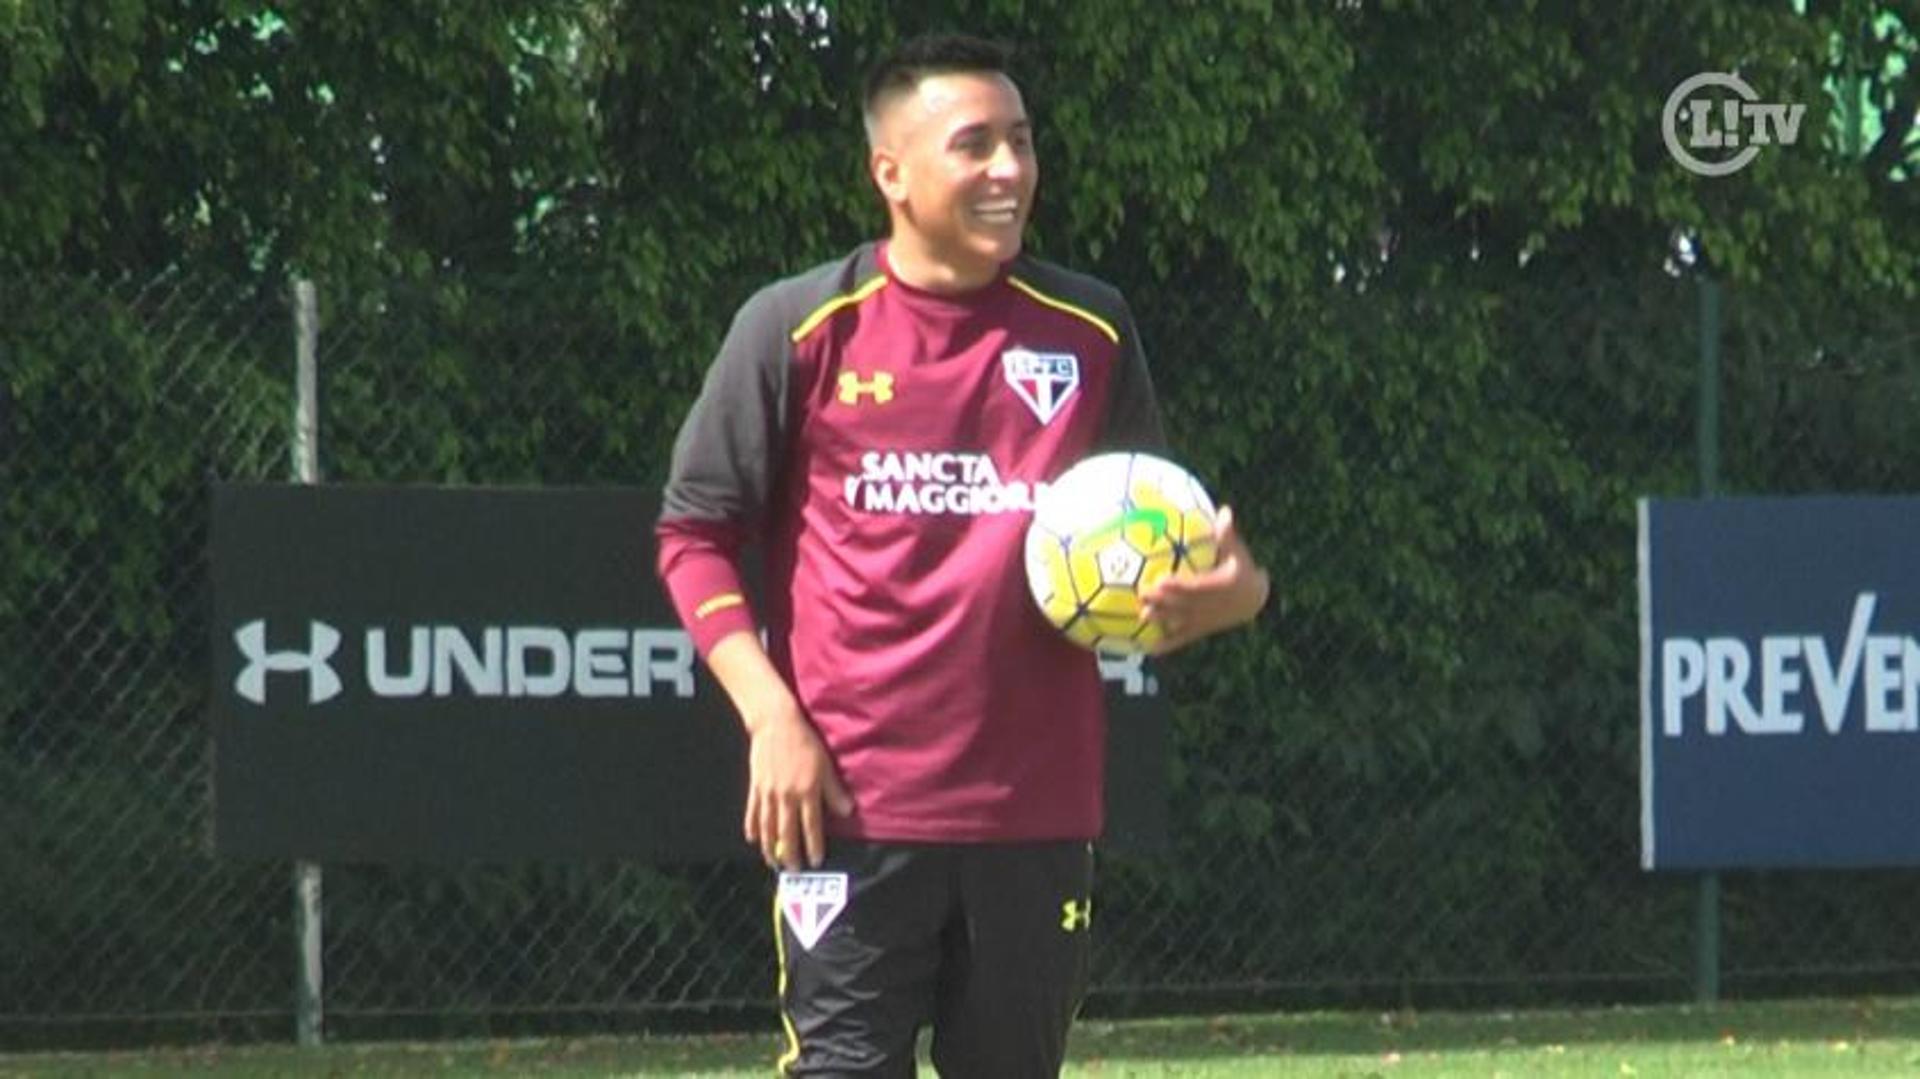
331,137
150,133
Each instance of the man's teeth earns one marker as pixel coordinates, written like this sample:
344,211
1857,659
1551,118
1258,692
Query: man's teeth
997,212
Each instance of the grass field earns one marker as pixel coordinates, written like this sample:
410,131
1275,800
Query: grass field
1815,1038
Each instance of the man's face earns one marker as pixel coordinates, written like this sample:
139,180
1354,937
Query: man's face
955,162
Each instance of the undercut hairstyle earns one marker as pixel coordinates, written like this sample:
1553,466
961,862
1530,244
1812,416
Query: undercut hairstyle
900,72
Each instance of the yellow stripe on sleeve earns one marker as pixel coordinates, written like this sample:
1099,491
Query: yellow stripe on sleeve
825,311
1061,305
719,603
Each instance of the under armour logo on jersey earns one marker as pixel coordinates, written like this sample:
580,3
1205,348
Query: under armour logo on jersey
1044,380
880,386
810,902
1076,914
322,642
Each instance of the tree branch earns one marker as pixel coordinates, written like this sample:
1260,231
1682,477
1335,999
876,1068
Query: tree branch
1890,148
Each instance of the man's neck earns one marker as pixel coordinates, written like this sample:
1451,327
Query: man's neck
914,266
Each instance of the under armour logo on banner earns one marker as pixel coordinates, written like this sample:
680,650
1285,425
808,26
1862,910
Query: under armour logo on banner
322,642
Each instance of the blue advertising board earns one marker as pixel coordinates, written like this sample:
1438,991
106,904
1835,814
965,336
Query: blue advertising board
1780,682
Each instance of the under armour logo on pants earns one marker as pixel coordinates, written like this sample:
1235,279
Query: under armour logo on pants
1076,915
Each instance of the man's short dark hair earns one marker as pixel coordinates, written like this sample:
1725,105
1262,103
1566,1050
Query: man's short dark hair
899,72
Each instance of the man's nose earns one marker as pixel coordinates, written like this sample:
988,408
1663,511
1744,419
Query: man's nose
1006,163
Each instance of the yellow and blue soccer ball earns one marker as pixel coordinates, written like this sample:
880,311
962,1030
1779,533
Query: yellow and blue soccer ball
1102,532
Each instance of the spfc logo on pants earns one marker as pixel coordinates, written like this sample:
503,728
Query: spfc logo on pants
810,902
1044,380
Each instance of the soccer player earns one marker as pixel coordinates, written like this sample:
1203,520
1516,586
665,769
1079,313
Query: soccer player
925,751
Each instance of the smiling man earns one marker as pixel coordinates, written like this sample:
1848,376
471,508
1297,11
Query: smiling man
925,752
952,154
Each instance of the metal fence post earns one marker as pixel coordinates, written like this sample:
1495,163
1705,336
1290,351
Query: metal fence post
1706,925
309,998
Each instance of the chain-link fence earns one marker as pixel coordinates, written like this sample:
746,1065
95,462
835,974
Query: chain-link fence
124,399
1416,782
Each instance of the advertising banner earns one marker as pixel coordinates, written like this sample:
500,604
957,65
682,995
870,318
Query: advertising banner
412,673
1780,679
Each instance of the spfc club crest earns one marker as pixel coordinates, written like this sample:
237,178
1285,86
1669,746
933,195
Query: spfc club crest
810,902
1044,380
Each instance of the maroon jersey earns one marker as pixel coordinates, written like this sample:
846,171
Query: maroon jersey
883,446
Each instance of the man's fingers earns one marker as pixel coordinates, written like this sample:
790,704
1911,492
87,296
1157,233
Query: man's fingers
1166,615
838,800
1227,544
1173,589
786,845
770,828
1223,529
812,834
750,825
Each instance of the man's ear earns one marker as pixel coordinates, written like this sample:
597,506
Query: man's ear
889,175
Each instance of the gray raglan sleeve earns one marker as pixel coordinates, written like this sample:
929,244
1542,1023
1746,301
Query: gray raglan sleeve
1133,412
727,459
726,454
